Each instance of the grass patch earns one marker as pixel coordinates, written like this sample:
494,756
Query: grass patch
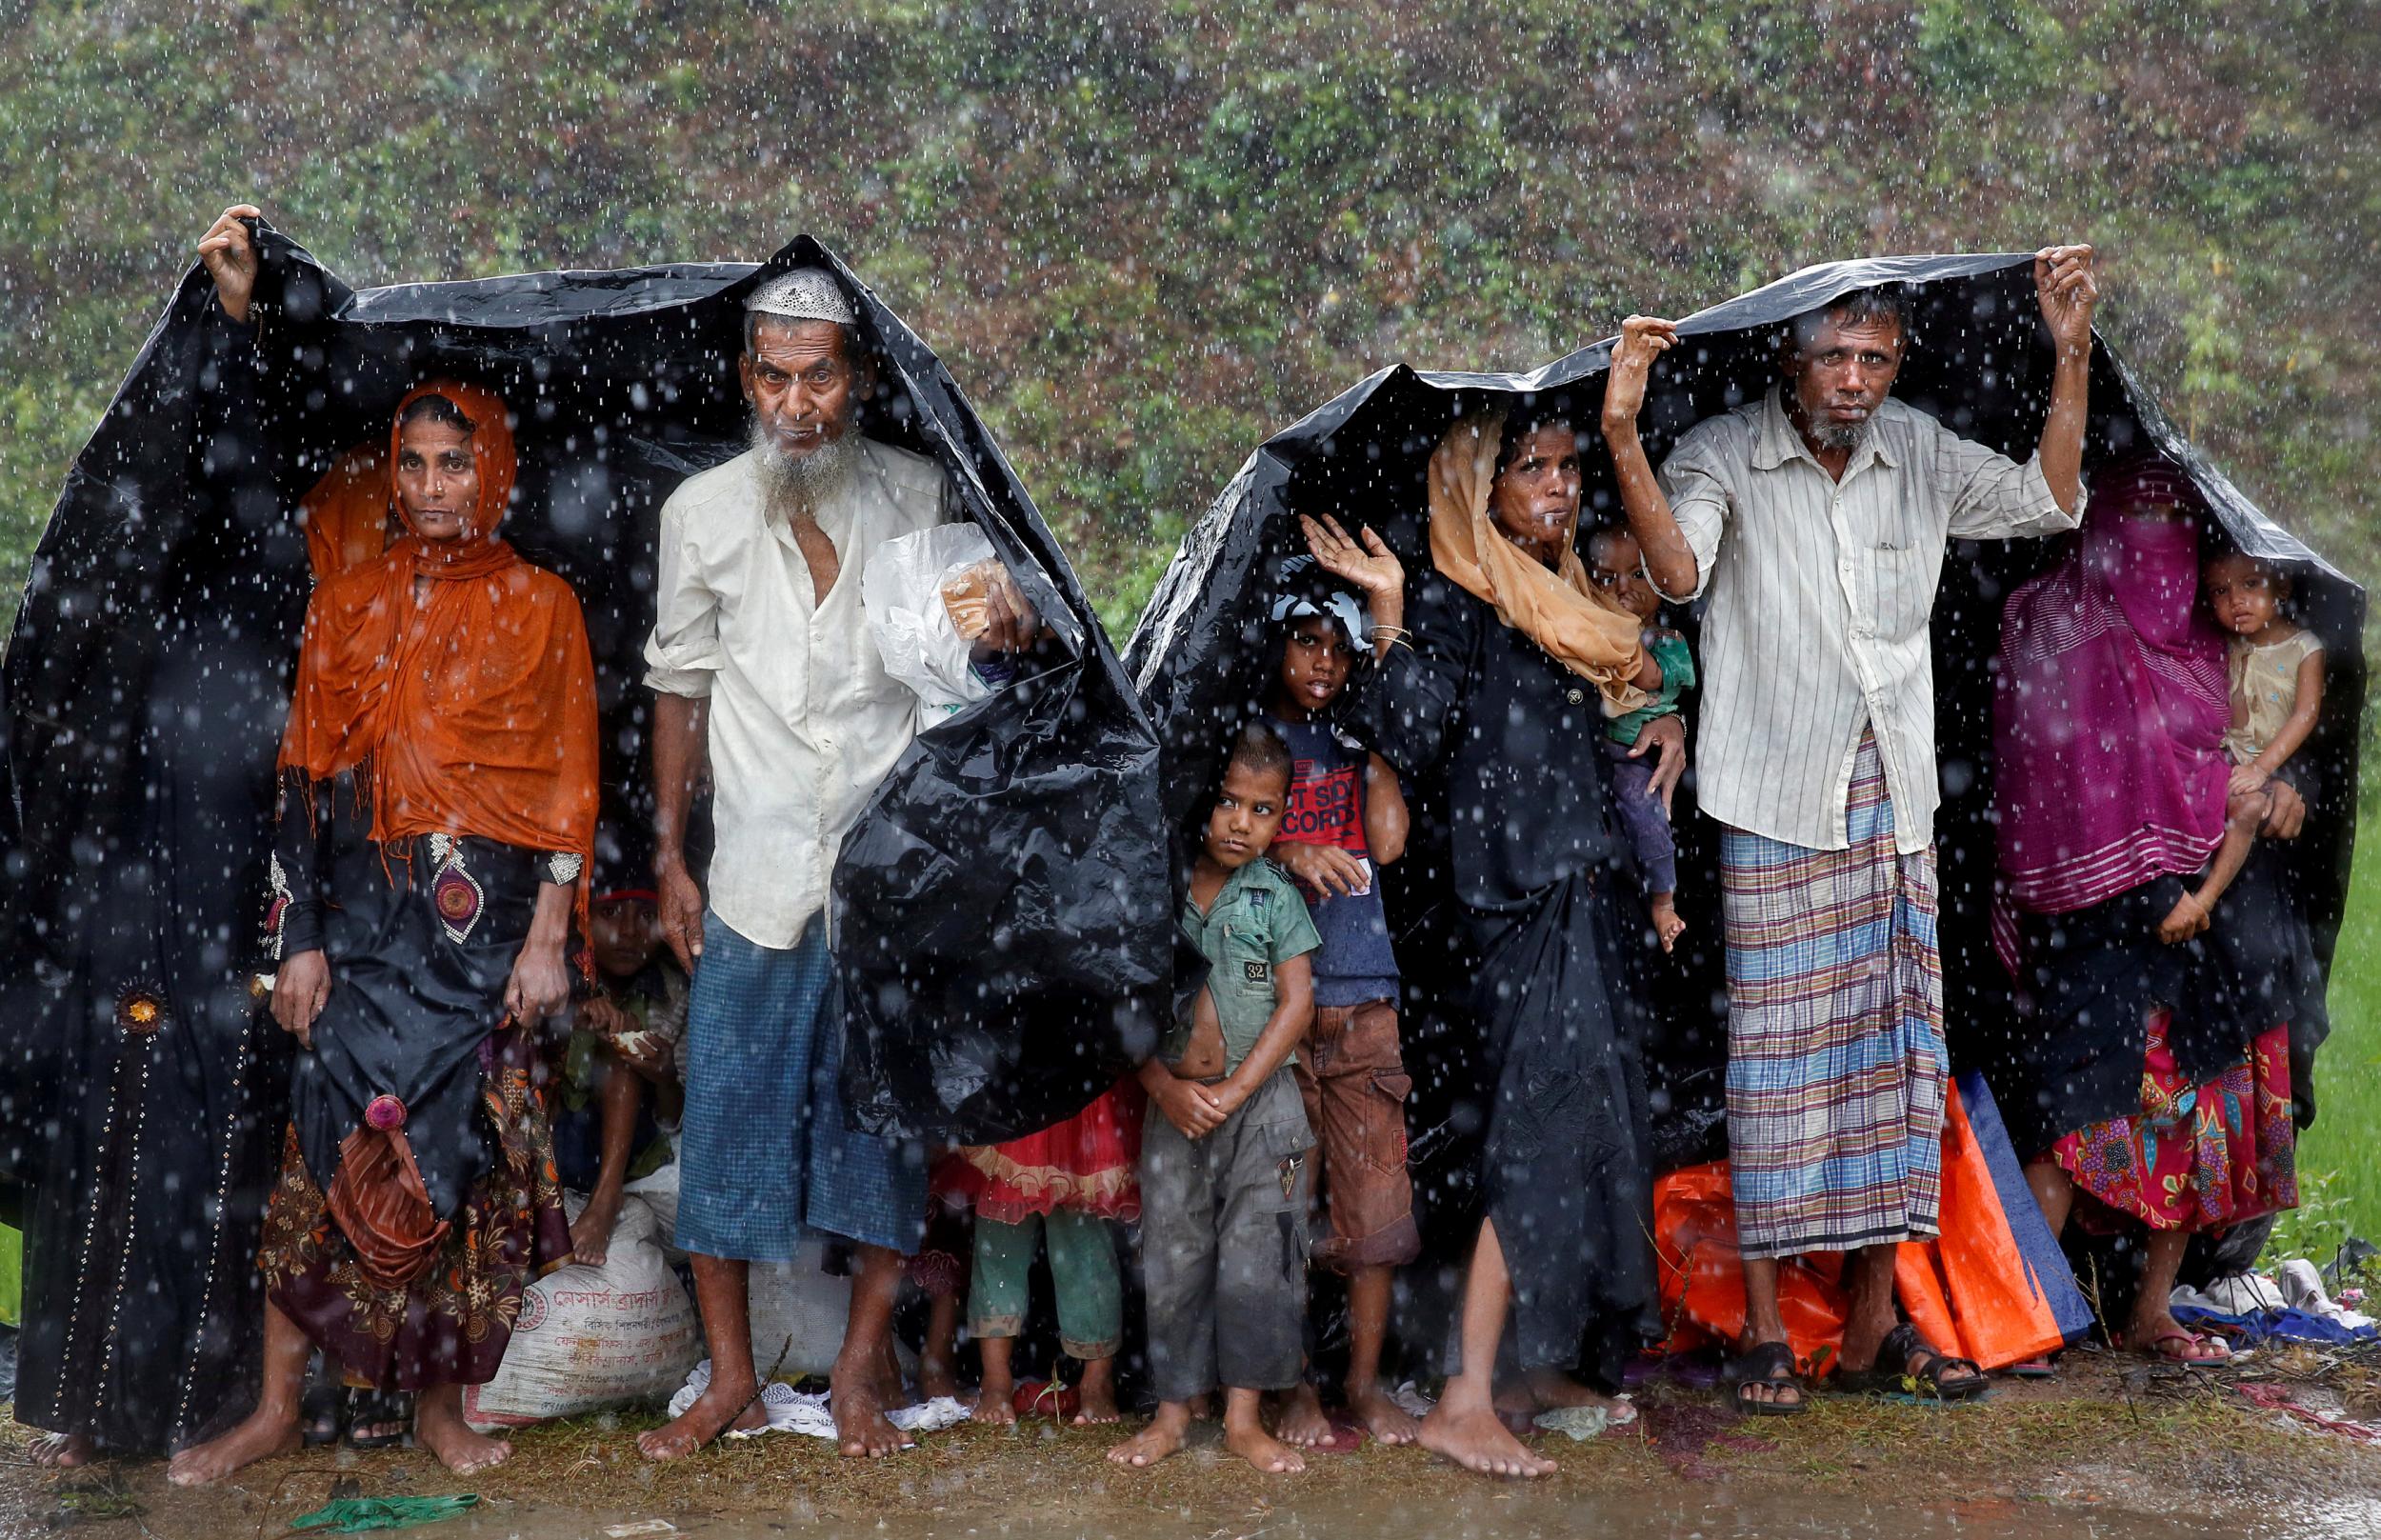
2339,1159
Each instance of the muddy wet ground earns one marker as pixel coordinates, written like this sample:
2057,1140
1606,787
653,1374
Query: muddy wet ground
2114,1450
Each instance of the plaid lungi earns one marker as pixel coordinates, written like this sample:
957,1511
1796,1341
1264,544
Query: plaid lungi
1835,1061
765,1153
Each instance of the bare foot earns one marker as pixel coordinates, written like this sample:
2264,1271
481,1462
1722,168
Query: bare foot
1473,1439
590,1232
935,1378
1299,1419
1552,1387
1250,1440
1388,1422
996,1401
1161,1437
1668,927
719,1407
1516,1406
264,1434
59,1451
1202,1407
1097,1393
438,1427
858,1402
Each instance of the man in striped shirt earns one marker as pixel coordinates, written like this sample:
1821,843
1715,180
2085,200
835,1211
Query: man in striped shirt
1817,518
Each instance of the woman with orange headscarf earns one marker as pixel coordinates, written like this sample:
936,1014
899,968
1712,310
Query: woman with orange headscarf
438,796
1492,708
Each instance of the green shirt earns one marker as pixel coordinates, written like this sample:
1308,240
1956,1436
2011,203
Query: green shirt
1678,672
1256,922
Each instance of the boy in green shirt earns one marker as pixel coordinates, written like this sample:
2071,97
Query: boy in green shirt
1224,1166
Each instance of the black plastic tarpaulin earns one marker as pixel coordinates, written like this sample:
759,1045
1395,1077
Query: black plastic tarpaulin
1001,913
1981,364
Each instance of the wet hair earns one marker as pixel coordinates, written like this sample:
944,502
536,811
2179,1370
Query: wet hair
1529,414
437,409
1884,302
2274,572
1258,748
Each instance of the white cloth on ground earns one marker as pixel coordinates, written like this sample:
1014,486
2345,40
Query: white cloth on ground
806,1411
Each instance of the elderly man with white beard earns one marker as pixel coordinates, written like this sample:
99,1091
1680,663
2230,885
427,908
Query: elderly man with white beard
763,666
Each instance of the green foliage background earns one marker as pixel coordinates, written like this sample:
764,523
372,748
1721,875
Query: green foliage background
1145,233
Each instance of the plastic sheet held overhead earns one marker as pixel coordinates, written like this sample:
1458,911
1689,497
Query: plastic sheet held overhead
1001,912
1981,364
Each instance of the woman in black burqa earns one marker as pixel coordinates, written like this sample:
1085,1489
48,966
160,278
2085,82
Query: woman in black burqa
1484,694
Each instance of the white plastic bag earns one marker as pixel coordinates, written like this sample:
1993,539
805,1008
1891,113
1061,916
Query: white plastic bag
589,1338
902,590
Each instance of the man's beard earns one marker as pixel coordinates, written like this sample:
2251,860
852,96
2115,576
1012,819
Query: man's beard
1831,434
801,484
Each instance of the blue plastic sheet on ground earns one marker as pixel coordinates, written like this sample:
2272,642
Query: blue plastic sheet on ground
2275,1326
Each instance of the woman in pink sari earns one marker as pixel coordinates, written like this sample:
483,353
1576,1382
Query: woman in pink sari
2155,1080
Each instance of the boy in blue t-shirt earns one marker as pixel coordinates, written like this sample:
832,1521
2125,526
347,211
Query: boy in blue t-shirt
1347,815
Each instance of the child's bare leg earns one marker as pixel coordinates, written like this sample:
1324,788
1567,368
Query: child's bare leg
1161,1437
2190,915
1369,1296
1097,1390
936,1376
1245,1435
996,1401
591,1233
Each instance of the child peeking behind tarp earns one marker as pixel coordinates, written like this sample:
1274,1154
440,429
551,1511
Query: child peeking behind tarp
1347,816
625,1036
1224,1162
1619,569
2277,693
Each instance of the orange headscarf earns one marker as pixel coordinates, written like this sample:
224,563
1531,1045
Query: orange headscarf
1563,611
471,710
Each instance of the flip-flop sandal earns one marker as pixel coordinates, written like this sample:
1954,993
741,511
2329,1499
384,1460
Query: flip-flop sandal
379,1408
1769,1364
2155,1350
1886,1375
2034,1369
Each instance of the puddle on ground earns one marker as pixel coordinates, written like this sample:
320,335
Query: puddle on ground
1484,1513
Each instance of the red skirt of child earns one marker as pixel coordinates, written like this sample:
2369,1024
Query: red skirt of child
2195,1156
1090,1164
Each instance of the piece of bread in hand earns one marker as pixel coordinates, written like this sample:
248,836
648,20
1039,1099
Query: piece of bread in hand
968,594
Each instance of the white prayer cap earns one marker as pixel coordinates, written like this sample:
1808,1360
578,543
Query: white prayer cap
803,294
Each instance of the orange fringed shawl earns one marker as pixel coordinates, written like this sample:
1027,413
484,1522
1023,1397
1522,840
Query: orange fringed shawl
470,710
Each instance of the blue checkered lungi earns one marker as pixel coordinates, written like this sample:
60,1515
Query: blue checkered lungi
1836,1069
765,1152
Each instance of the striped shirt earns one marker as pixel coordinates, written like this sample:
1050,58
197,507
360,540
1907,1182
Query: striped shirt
1820,599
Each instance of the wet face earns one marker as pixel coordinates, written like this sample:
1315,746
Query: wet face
1838,373
1316,658
622,935
801,382
437,478
2245,594
1619,569
1535,498
1246,814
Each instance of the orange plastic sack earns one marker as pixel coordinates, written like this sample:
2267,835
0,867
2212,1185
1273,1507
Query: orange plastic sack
1970,1292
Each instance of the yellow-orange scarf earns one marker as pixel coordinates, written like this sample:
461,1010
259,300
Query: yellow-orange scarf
1563,611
